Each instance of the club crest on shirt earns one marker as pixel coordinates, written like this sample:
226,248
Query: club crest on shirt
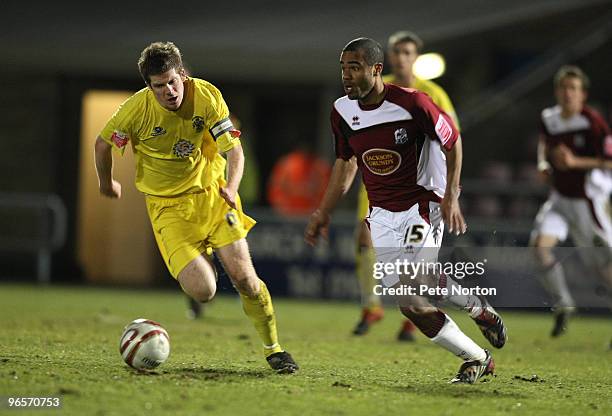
158,131
198,123
230,217
401,136
436,233
382,161
183,148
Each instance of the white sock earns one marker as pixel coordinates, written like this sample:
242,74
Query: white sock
469,303
553,280
452,339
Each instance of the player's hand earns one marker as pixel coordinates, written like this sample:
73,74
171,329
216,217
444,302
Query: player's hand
318,225
111,190
229,195
451,214
563,158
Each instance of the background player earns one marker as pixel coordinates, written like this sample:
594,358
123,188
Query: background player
575,148
177,126
403,49
383,130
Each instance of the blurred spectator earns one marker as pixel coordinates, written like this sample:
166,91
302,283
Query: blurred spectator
522,207
527,172
497,171
486,206
298,182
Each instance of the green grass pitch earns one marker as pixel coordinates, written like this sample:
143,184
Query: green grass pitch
64,341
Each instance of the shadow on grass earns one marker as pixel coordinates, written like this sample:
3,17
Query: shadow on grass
479,390
202,373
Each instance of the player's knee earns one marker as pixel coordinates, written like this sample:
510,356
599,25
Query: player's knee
203,294
201,287
247,285
543,255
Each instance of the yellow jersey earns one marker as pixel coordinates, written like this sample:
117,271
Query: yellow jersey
435,92
176,152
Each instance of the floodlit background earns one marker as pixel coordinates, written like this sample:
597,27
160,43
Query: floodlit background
66,68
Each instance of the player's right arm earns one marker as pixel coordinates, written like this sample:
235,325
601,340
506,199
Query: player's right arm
116,134
544,168
342,176
104,168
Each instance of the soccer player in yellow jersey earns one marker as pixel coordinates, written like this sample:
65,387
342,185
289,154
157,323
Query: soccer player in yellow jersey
177,127
403,49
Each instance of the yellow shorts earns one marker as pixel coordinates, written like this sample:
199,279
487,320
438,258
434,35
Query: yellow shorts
189,225
363,204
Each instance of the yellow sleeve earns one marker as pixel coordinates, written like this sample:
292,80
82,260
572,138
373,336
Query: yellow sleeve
439,97
221,127
118,130
363,203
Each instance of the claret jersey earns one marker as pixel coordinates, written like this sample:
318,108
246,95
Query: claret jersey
398,146
176,152
586,134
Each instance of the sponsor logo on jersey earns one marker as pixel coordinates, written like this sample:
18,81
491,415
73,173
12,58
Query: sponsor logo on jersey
119,138
158,131
443,129
355,121
401,136
183,148
608,145
382,161
198,123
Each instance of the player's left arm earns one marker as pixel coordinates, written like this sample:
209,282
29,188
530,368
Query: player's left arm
235,169
439,125
227,138
451,210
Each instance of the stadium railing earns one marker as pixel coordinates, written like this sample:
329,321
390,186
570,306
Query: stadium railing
42,236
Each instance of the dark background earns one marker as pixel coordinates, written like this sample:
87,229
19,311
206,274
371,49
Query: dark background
276,63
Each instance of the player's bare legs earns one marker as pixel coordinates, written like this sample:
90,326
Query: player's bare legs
256,302
553,280
199,279
237,262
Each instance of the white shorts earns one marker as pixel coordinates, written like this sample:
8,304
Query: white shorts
413,235
586,220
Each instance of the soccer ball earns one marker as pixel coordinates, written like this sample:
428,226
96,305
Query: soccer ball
144,345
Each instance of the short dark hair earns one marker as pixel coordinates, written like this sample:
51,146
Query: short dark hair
372,51
574,72
158,58
405,36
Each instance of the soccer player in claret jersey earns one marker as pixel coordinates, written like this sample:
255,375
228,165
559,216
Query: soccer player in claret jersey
575,155
383,130
403,49
177,127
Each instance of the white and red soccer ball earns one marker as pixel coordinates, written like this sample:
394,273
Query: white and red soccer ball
144,345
